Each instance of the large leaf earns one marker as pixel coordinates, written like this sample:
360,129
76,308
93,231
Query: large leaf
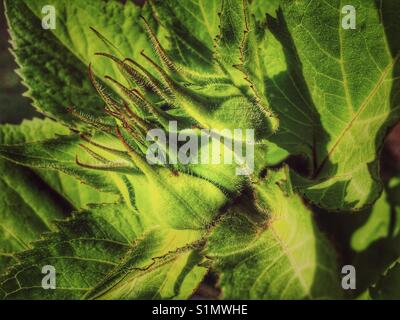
117,24
101,254
28,207
179,200
159,266
334,113
32,198
98,240
23,192
78,194
53,63
57,154
55,77
281,256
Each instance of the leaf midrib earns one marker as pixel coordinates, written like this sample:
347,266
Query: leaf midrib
362,108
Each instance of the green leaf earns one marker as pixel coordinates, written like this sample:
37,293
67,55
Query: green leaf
192,27
87,248
31,198
53,63
175,196
30,131
102,253
41,58
174,276
388,286
99,239
57,154
279,256
334,113
28,206
153,271
118,25
78,194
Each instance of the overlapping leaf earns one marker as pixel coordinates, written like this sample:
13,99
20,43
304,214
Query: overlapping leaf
53,63
178,200
335,93
94,240
28,206
106,242
279,256
33,198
